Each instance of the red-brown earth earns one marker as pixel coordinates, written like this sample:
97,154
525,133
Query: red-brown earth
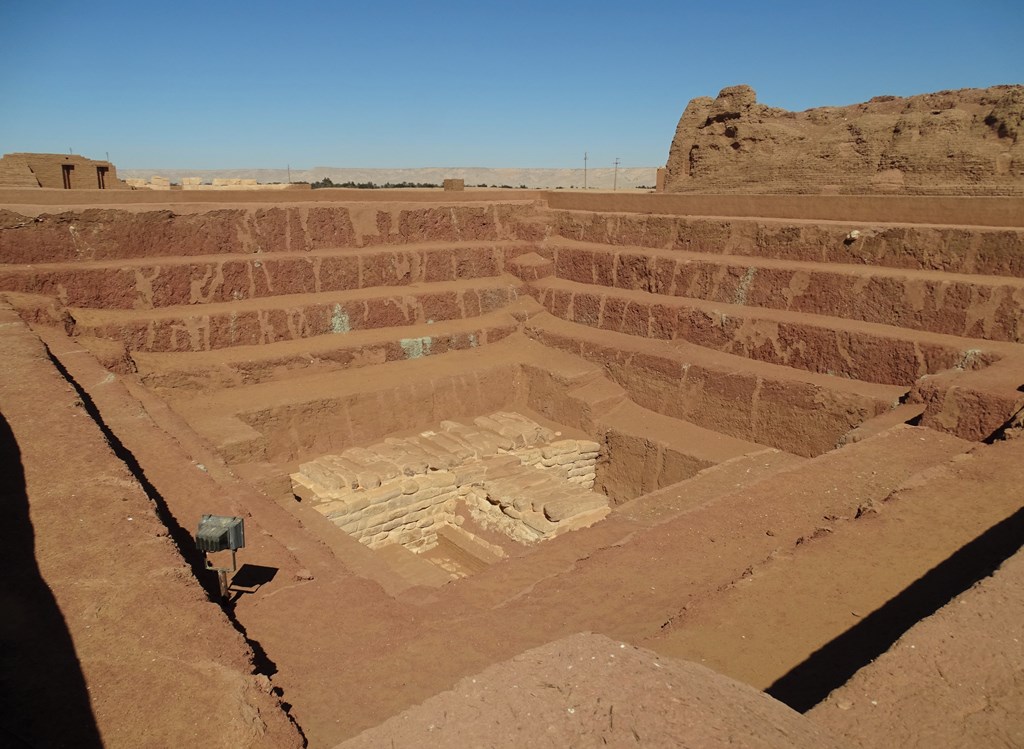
807,438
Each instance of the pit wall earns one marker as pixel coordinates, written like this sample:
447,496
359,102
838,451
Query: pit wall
798,417
198,329
976,308
151,285
967,211
632,466
972,250
792,416
811,346
285,433
96,234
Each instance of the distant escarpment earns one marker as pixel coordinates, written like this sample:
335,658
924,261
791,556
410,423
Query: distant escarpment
965,142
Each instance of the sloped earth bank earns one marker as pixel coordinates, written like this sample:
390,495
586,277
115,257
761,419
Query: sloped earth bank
107,636
789,450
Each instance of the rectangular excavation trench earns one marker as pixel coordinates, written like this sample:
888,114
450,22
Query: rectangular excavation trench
439,511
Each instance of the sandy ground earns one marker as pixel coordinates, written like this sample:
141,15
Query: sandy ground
755,572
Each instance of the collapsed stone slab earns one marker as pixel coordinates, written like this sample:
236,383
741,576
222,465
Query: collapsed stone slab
509,473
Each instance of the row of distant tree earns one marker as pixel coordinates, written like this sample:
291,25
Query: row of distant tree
328,182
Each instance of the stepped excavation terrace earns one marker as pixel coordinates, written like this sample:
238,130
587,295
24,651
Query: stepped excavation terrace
726,429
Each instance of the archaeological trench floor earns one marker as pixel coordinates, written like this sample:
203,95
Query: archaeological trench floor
460,430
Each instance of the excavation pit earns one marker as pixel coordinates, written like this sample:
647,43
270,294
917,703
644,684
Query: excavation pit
738,391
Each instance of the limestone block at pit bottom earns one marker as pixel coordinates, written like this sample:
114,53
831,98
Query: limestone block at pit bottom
437,480
318,472
305,489
557,510
560,448
502,467
529,456
538,522
583,520
482,441
344,509
452,444
584,469
533,433
440,454
372,465
472,472
404,511
416,453
408,462
519,434
346,471
558,461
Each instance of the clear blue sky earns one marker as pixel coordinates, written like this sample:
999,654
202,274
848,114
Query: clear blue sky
387,83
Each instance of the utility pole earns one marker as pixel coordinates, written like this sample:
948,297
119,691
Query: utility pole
615,179
289,174
584,170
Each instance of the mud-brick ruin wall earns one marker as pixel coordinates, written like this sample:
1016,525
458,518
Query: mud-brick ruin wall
48,170
965,142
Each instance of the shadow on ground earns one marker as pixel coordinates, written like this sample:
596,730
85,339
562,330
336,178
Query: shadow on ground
43,698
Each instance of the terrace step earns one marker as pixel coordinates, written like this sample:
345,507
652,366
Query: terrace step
866,351
801,412
268,319
147,282
241,365
328,411
959,249
728,476
706,545
803,598
988,307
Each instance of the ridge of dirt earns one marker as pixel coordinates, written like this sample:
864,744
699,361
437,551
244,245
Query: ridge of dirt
589,690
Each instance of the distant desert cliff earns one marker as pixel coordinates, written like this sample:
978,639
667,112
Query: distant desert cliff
967,142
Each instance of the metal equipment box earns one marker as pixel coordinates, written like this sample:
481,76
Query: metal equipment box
220,533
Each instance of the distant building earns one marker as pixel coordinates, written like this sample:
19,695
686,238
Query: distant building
67,171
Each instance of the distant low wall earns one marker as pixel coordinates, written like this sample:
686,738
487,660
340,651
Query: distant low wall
946,210
968,211
44,197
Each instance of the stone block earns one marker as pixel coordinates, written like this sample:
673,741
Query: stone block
470,473
538,522
383,493
561,447
556,461
407,461
561,509
437,456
